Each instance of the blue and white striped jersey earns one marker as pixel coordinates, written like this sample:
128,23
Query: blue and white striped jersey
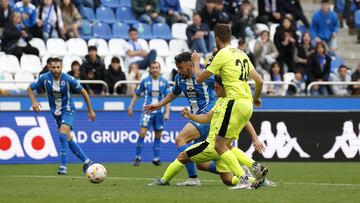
201,97
58,91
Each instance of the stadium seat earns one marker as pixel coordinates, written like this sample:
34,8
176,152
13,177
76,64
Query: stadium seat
120,30
44,59
67,61
56,46
177,46
259,27
335,63
160,46
6,77
144,44
111,3
90,15
23,80
162,64
30,63
251,45
77,46
273,30
357,19
85,30
102,47
102,30
125,3
40,45
106,15
288,77
144,30
234,43
161,31
178,30
117,47
126,15
188,6
107,62
9,63
170,63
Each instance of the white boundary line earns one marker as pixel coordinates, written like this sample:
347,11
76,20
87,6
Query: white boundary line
150,179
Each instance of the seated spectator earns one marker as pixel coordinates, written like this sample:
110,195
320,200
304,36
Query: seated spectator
242,45
172,11
244,21
294,7
136,53
356,77
133,75
200,4
269,11
318,68
5,13
147,11
300,84
200,38
208,14
222,15
75,70
265,52
302,51
349,16
49,20
285,40
94,69
71,18
274,75
325,25
16,38
340,76
233,6
28,16
115,74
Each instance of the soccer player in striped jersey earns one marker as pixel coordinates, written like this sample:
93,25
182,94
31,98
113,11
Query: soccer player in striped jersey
59,87
155,88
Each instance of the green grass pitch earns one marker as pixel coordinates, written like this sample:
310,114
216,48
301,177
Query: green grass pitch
296,182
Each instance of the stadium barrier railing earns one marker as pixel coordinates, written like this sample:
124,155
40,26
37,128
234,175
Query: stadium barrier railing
312,84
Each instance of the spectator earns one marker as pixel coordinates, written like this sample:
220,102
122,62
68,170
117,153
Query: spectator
50,20
349,16
277,76
147,11
172,11
285,40
71,18
75,70
300,84
325,25
222,15
200,38
242,45
5,13
80,7
136,53
294,7
94,69
340,76
208,14
28,16
200,4
133,75
16,38
115,74
269,11
233,6
244,21
265,52
318,68
356,77
302,52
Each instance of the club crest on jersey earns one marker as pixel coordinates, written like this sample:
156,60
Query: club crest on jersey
191,93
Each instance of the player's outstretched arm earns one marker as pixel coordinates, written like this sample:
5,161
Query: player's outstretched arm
35,105
258,86
91,112
153,107
132,103
167,112
200,118
256,142
200,75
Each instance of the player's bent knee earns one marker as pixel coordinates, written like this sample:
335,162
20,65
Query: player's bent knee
179,140
183,158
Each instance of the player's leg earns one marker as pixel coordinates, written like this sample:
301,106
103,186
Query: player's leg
158,125
144,126
63,137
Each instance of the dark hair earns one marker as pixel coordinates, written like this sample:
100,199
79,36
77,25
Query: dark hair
74,63
271,70
132,29
223,32
49,60
56,59
325,1
241,41
155,62
183,57
218,80
92,48
343,66
115,60
318,44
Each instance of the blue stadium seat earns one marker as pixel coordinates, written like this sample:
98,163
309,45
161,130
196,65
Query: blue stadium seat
335,63
120,30
85,30
125,3
90,15
144,30
357,19
105,15
125,14
161,31
111,3
102,30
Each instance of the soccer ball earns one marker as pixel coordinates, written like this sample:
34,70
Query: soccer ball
96,173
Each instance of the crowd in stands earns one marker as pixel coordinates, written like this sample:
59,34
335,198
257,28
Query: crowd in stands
278,38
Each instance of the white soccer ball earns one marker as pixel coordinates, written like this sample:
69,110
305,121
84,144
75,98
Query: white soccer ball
96,173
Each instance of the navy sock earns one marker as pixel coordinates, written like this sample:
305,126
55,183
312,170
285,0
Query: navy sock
139,146
190,167
212,168
156,148
76,149
64,148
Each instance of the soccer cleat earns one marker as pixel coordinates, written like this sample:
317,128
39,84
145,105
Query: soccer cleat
86,165
158,182
268,183
137,161
243,184
190,182
156,162
260,174
62,170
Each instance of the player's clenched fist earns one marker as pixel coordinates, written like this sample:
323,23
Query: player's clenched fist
195,57
185,113
36,107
